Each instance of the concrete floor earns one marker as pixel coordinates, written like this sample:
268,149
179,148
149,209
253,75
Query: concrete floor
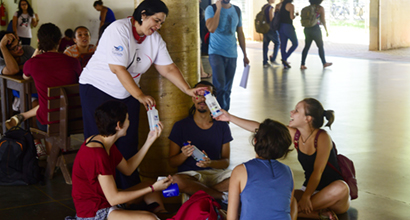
370,99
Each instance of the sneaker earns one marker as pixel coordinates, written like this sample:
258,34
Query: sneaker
16,120
266,65
275,63
41,151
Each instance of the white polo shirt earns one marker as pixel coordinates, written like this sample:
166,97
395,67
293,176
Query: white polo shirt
117,46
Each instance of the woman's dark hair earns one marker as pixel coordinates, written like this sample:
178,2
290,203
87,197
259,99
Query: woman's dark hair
97,3
272,140
49,36
150,7
286,2
69,33
193,109
29,9
315,2
75,30
314,109
108,114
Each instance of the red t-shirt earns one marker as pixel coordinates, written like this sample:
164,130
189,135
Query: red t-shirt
87,193
51,69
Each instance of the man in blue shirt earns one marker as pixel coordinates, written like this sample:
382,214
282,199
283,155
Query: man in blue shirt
209,136
222,22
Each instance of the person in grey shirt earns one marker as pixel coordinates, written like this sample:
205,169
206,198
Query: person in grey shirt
13,55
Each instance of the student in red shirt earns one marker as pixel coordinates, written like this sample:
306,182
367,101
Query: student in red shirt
95,192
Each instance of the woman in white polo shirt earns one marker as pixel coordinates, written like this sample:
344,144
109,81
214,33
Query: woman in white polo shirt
126,50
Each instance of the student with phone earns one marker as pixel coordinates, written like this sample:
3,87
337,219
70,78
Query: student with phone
209,172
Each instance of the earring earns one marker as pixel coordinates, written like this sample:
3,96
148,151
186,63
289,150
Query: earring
142,19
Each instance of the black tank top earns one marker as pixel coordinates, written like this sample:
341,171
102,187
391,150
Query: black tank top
307,161
284,15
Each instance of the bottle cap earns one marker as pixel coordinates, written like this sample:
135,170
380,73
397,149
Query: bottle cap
185,143
206,92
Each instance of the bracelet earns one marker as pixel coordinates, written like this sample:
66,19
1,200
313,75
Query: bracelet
152,188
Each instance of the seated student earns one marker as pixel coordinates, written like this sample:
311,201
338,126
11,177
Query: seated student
95,192
48,68
262,188
82,38
13,55
66,41
209,136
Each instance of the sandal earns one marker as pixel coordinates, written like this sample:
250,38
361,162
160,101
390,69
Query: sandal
326,214
14,121
208,75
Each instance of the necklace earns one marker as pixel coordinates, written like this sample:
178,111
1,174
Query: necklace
304,141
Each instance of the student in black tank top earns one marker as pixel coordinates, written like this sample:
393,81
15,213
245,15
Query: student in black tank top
287,30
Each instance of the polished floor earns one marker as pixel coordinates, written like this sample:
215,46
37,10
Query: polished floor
370,99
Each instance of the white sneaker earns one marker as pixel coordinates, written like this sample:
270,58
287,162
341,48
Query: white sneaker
266,65
41,151
225,197
275,63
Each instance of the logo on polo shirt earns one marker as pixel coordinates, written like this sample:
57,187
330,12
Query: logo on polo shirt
117,50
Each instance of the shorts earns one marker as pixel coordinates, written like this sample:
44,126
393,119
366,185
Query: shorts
209,177
101,214
303,188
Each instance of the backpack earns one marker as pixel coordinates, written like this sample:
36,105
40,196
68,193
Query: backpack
275,24
200,206
262,25
18,162
308,16
347,170
205,43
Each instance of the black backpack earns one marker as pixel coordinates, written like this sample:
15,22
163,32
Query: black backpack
18,162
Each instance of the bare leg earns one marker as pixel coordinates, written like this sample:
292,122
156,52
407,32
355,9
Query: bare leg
222,186
190,185
131,215
335,196
203,73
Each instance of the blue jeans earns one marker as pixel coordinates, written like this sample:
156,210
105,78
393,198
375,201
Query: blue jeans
223,71
273,36
287,32
313,34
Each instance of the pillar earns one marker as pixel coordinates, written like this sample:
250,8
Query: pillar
181,34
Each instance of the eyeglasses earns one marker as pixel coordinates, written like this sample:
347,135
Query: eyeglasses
17,47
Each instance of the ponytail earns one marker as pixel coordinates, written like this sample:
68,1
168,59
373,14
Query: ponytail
330,117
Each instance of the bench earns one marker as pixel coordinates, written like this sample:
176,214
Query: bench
66,119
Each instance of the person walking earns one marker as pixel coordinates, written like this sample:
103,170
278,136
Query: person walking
272,35
315,34
287,30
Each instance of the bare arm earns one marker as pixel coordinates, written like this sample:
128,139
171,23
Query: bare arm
248,125
236,186
12,67
222,163
212,23
173,74
129,84
241,39
127,167
324,147
15,21
34,21
177,155
291,8
115,196
323,19
103,14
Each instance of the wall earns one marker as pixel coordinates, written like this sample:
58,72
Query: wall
72,13
394,21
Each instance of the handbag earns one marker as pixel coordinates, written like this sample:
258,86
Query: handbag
347,170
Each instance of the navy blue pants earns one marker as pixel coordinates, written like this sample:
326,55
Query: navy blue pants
273,36
313,34
287,32
91,99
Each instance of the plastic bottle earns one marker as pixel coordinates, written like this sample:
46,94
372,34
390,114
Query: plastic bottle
153,118
212,104
172,190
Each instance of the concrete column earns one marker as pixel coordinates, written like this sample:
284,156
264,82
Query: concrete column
181,33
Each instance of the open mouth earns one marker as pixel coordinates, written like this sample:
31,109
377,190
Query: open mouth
291,119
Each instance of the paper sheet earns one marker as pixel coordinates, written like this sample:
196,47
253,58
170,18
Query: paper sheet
245,75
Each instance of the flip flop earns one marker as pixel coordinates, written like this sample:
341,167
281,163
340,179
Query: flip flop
208,75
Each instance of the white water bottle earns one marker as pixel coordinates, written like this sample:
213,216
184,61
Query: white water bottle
212,104
153,118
